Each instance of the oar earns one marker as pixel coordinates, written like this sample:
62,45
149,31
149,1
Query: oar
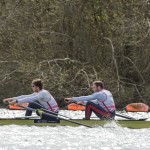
54,116
128,117
27,117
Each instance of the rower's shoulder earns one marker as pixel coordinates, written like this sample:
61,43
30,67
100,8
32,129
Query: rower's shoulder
105,91
43,91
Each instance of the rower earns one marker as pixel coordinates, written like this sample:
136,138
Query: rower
40,98
100,102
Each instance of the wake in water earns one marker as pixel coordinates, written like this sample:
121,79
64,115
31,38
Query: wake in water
110,137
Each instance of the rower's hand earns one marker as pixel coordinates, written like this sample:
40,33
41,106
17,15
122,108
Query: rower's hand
68,100
12,102
7,100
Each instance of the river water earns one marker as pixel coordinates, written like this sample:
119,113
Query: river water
112,137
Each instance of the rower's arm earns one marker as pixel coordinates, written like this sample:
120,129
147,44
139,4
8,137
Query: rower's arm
95,96
23,96
31,98
85,98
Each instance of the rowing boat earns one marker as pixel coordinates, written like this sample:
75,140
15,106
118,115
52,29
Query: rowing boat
61,120
135,124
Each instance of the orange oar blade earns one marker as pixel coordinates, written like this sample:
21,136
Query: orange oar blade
15,107
75,107
137,107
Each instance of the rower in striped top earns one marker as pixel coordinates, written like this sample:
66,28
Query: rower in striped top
40,98
100,102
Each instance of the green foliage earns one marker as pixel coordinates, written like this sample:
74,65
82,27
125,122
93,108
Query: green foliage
71,43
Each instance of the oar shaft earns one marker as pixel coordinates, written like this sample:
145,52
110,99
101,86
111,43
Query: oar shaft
125,116
78,123
131,118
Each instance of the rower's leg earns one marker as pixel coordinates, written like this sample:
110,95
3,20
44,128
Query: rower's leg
98,110
34,106
88,111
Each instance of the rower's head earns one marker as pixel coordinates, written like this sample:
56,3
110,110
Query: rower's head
37,85
97,86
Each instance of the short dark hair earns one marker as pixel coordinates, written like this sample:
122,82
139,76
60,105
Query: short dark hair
99,83
38,82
